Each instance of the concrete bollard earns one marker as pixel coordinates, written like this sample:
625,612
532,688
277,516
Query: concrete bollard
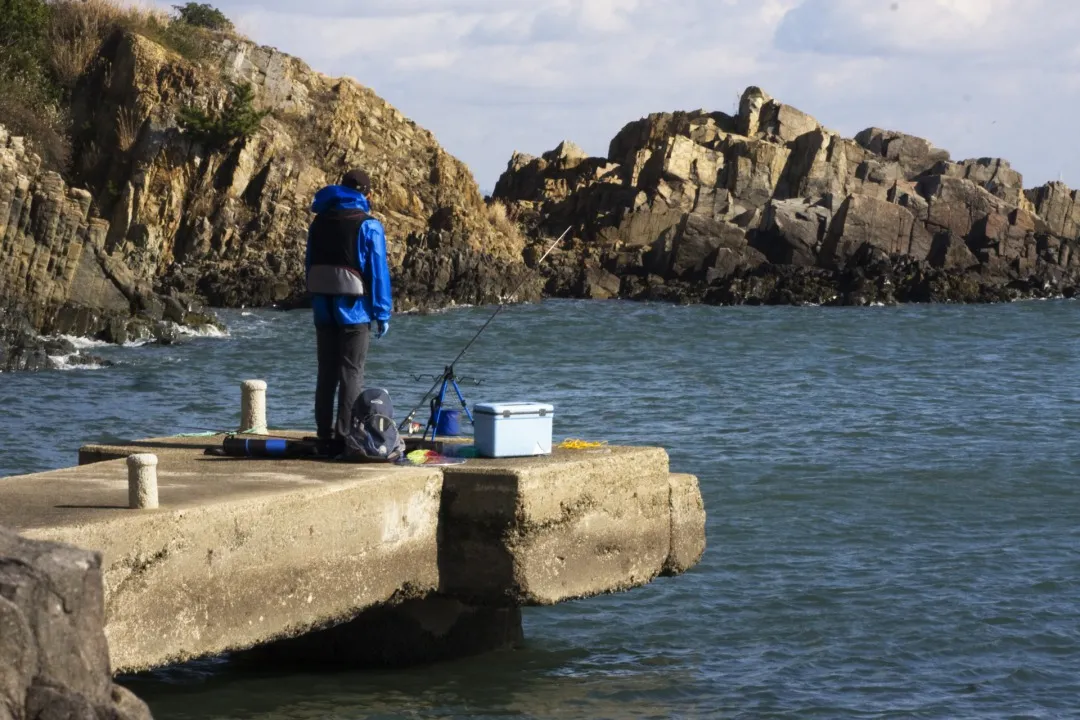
142,482
253,407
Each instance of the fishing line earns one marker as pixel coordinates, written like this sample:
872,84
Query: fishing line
449,372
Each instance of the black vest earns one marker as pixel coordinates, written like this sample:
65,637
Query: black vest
335,268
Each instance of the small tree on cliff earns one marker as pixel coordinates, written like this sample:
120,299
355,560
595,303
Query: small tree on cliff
203,15
239,120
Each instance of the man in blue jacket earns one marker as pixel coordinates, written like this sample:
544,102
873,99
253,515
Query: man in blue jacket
348,277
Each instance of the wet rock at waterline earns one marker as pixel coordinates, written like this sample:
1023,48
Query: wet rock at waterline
59,277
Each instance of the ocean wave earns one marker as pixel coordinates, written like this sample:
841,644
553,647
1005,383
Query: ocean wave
452,307
75,361
206,331
79,343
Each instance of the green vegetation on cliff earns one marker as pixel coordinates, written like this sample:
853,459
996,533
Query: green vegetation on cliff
203,15
46,46
239,120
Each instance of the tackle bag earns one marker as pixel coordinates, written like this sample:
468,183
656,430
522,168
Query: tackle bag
374,436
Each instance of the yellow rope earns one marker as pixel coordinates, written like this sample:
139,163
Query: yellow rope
575,444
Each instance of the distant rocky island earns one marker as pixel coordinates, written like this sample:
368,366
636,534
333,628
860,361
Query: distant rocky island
770,207
180,173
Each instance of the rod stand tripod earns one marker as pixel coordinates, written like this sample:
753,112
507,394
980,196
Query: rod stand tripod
449,381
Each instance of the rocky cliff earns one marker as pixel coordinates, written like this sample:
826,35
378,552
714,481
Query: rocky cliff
54,658
769,206
152,219
230,223
56,274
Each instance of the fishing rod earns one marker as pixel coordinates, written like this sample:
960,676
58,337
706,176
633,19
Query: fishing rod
448,377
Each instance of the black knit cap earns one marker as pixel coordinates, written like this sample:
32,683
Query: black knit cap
357,180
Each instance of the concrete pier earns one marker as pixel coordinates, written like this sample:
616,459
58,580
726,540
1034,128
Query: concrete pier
248,553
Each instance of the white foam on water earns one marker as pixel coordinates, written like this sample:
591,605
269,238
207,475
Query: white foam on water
206,331
80,343
69,362
452,307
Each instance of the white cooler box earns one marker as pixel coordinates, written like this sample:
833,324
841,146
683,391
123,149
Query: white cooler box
513,429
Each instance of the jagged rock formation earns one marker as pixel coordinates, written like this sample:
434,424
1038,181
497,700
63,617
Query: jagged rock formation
54,658
771,207
231,224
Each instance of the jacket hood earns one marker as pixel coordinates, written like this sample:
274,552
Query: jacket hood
337,197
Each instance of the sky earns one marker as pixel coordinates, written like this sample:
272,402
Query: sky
995,78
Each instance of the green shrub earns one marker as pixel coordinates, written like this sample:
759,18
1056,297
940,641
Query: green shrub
238,121
203,15
24,28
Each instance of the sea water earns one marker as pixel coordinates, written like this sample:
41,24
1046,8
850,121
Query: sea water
892,497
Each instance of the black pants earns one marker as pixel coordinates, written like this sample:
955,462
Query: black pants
342,351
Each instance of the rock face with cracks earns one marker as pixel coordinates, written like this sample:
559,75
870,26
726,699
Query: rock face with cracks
769,206
153,221
57,275
54,659
230,223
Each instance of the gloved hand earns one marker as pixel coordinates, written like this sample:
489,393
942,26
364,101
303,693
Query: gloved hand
382,327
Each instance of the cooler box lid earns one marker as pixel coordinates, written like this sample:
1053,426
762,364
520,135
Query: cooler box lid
512,409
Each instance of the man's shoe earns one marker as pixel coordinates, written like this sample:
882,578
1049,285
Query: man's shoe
330,447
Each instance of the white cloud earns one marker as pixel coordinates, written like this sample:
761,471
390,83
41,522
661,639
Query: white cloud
993,30
978,77
875,27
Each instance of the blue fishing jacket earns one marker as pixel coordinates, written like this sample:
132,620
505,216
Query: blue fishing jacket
377,301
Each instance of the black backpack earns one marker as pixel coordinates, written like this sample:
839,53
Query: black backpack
374,436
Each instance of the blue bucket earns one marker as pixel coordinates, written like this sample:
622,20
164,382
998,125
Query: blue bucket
449,423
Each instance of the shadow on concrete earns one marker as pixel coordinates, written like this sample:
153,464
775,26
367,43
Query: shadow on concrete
162,445
91,507
476,515
396,635
94,453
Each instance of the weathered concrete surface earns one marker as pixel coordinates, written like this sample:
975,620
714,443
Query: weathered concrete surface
687,525
537,531
242,553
